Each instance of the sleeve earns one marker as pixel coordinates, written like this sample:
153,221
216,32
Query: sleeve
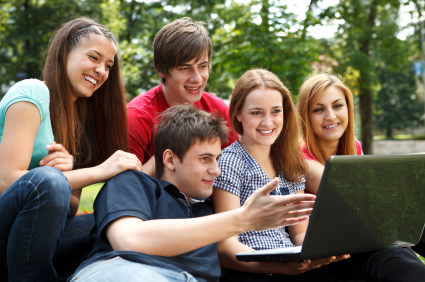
130,193
33,91
230,178
298,186
139,133
306,154
224,111
358,147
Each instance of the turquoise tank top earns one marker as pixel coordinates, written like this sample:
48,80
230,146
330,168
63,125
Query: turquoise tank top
36,92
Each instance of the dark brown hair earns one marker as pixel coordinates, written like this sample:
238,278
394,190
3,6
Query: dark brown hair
310,93
179,127
285,151
180,42
92,128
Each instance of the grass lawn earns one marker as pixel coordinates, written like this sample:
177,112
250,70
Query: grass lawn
90,192
400,137
88,196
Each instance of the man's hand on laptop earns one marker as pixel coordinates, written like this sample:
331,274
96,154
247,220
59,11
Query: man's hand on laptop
295,267
267,212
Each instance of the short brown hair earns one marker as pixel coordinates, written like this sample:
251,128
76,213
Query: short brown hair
285,150
179,42
178,129
310,93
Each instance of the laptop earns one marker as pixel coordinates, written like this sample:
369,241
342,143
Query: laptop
364,203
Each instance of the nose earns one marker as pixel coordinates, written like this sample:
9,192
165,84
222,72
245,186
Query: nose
100,69
195,76
214,169
330,115
266,121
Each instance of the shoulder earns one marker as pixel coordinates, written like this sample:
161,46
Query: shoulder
29,90
212,103
146,100
306,154
232,156
358,147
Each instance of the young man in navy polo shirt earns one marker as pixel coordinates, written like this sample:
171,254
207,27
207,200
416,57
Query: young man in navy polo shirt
163,230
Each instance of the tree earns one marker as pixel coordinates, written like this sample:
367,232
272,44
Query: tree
367,39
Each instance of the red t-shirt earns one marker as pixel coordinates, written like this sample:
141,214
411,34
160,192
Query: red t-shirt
309,156
142,117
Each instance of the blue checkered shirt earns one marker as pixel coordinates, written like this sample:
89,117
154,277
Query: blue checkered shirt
241,175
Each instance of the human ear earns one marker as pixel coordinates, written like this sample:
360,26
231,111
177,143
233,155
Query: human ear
168,159
161,74
238,116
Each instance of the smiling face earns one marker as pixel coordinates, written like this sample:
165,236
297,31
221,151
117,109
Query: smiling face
186,83
88,65
262,117
194,175
329,118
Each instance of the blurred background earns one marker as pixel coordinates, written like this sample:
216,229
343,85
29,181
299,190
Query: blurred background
375,45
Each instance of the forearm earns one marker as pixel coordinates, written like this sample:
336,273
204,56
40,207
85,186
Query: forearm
81,178
172,237
74,203
228,248
7,179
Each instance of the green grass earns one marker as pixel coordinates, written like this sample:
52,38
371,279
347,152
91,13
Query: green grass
88,195
399,137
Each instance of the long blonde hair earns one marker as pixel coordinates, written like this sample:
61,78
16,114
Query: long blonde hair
310,93
285,150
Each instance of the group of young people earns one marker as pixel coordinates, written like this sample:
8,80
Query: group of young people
190,182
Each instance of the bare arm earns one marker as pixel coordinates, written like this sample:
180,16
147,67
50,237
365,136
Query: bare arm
16,148
297,231
228,248
170,237
315,172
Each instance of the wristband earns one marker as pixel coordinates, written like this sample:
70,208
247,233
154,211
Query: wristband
263,264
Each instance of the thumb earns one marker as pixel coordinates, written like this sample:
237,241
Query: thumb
266,189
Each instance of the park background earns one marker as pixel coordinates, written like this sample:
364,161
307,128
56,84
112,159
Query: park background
372,44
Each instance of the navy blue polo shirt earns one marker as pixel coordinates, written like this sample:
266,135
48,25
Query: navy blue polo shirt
136,194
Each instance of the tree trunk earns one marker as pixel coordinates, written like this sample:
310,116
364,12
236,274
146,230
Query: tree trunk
365,91
389,132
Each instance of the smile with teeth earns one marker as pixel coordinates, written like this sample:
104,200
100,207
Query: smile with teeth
190,88
266,132
332,126
91,80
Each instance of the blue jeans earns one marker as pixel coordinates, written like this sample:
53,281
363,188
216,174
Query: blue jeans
119,269
33,215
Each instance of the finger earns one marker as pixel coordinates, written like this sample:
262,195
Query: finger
293,221
52,156
63,167
296,198
56,147
59,160
266,189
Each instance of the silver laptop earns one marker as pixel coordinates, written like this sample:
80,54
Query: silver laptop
364,203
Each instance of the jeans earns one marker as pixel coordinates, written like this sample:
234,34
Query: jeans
378,266
35,229
119,269
74,245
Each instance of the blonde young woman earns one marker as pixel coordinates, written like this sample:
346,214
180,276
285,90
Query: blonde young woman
326,108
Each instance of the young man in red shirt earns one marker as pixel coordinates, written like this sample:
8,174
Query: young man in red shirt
182,58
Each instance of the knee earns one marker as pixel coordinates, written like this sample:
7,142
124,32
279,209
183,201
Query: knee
51,184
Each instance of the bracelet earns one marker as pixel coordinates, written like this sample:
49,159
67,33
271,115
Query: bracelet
263,264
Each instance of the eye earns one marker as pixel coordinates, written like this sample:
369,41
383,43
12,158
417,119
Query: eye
277,111
256,113
338,106
203,66
183,69
318,110
109,67
205,159
93,57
